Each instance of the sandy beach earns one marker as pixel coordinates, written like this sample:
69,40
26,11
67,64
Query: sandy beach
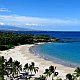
23,55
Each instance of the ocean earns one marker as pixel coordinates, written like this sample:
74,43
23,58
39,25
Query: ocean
66,53
65,35
58,34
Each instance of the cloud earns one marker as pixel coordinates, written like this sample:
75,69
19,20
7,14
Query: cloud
1,23
40,23
31,24
4,10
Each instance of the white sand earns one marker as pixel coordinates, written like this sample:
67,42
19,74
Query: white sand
23,55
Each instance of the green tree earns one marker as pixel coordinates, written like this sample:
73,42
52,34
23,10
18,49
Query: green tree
69,77
35,69
18,67
52,70
2,67
47,73
77,72
26,67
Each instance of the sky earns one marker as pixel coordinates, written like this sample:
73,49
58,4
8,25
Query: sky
54,15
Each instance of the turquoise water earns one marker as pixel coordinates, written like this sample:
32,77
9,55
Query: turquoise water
63,53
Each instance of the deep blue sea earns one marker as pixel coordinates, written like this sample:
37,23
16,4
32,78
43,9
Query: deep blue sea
57,34
67,53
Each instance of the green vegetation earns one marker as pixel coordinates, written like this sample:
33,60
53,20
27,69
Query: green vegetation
51,71
41,38
8,40
11,70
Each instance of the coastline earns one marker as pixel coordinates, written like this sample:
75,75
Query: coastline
23,55
35,51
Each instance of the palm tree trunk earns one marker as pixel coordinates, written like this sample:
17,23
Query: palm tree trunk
53,77
31,72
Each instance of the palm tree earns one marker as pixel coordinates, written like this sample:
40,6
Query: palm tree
47,72
3,60
2,71
77,72
32,67
26,66
69,77
9,64
35,69
10,60
13,69
18,67
2,67
8,67
33,64
52,70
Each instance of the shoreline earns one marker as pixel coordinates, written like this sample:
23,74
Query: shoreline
23,55
54,60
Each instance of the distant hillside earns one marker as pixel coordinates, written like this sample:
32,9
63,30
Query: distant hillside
14,28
